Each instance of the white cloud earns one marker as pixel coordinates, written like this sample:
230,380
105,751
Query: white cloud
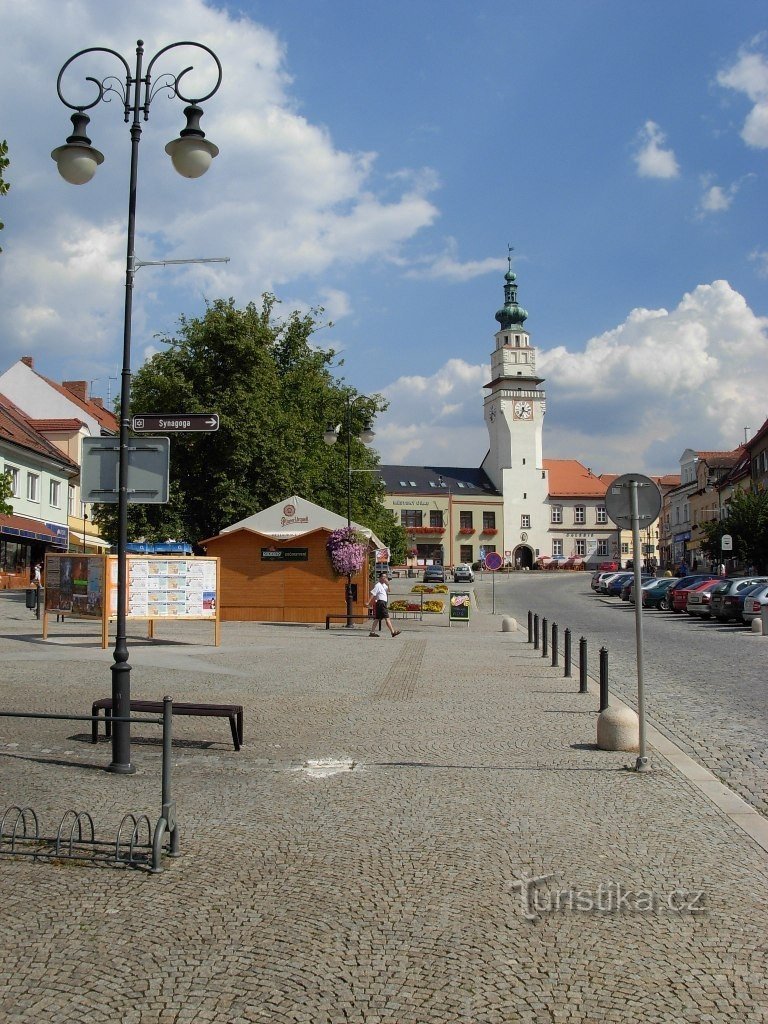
633,399
749,75
651,158
435,419
760,257
281,200
447,266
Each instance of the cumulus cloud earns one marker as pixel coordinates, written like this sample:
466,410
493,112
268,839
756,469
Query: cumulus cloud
718,198
632,400
282,200
749,75
651,158
436,418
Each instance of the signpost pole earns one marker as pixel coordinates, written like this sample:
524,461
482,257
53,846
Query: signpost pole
641,765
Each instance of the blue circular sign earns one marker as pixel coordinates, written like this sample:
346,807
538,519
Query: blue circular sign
493,561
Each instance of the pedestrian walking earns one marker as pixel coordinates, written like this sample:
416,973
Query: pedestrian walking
379,601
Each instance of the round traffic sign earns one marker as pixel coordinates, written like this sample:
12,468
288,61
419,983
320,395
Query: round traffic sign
493,561
618,500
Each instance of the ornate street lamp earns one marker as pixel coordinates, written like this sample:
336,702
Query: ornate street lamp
330,437
77,160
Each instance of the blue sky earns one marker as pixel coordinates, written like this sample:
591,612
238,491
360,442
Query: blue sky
378,159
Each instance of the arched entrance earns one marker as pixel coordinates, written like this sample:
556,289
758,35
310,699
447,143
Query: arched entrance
522,557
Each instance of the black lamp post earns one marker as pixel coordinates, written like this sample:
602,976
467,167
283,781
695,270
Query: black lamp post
77,161
330,437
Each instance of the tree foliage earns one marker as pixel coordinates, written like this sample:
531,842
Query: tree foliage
4,185
6,493
747,523
275,394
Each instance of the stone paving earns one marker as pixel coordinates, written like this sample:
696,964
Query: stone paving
474,859
706,683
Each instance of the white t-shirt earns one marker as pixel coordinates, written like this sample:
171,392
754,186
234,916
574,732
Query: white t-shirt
380,592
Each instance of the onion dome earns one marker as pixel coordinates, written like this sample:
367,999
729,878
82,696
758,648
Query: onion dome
511,314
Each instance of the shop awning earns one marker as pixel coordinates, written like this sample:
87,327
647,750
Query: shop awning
88,538
32,529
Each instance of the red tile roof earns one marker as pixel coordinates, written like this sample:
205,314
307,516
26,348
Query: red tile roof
103,417
17,428
56,425
569,478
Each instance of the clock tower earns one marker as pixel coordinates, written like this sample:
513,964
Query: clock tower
514,415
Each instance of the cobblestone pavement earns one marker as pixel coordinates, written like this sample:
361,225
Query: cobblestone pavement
474,859
706,682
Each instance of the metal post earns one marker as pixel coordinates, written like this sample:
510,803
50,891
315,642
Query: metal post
567,642
641,764
555,652
583,666
121,670
603,678
536,632
530,627
168,804
544,638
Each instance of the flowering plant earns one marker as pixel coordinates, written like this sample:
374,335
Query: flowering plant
346,549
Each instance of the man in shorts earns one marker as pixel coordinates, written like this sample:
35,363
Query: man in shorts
378,601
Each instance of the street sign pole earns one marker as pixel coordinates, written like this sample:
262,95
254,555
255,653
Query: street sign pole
641,765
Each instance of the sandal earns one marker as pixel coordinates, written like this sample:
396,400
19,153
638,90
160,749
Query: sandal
396,633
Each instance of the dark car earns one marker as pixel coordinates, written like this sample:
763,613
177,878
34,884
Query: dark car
628,586
613,588
434,574
728,598
658,596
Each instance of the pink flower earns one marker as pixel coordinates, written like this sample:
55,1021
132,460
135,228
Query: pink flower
346,549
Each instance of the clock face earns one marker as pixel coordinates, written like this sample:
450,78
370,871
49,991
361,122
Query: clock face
523,410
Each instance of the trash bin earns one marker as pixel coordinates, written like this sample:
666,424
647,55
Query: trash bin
32,598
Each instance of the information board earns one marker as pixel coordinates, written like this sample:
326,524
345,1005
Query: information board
74,585
162,588
459,606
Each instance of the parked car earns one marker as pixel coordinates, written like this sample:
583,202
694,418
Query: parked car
628,585
650,584
434,574
597,579
658,596
686,583
754,603
680,595
602,586
699,600
613,589
728,597
462,573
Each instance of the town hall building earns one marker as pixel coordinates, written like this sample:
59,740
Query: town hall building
527,508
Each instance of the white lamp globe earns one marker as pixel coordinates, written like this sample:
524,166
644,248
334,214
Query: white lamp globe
191,155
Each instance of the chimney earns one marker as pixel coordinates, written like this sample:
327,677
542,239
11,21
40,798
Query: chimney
98,401
79,388
28,361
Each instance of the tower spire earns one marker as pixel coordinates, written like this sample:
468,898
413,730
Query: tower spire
511,314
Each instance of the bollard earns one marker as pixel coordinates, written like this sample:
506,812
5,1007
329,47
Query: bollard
567,642
544,637
530,627
583,666
536,632
555,652
603,678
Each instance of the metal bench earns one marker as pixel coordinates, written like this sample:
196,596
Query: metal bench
234,712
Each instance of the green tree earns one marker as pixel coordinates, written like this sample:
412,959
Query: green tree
747,523
4,185
275,394
6,493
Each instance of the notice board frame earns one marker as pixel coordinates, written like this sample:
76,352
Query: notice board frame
105,598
